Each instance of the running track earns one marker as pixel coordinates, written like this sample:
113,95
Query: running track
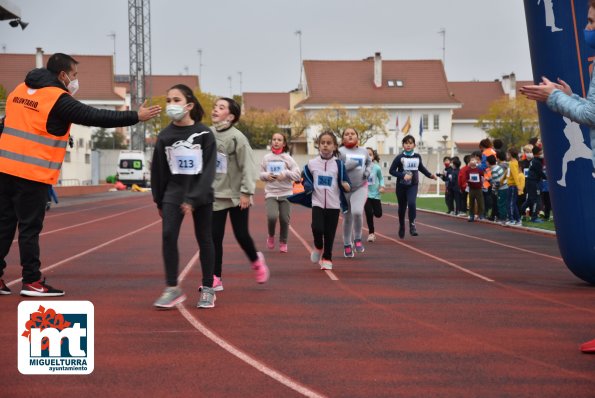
463,310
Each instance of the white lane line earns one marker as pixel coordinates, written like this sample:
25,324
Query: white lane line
439,259
329,273
49,267
68,213
486,240
89,222
233,350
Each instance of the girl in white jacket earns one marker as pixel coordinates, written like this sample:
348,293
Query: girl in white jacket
278,170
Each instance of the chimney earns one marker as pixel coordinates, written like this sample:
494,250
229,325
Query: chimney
512,80
377,70
39,57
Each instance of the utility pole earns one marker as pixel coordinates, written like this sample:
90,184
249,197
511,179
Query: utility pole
230,88
299,35
240,73
200,68
112,35
443,33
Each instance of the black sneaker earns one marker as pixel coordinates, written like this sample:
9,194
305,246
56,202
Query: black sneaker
401,231
412,230
40,289
3,288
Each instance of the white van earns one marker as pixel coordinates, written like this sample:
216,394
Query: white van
133,168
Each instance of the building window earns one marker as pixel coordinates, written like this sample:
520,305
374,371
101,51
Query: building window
81,143
67,157
87,158
425,122
436,122
391,151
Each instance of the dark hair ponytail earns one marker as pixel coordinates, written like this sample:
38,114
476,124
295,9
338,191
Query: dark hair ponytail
197,112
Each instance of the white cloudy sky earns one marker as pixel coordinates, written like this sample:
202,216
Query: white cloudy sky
484,38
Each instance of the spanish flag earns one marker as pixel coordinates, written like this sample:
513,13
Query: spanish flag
407,126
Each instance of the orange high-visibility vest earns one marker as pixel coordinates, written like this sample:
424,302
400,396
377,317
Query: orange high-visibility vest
27,150
487,173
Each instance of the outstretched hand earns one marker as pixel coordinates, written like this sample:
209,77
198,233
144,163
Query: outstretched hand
146,113
541,92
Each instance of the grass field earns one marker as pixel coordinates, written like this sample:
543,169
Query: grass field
438,204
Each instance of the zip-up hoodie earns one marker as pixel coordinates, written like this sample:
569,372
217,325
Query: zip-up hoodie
241,169
283,184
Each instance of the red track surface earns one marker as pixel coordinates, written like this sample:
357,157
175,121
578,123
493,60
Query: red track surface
463,310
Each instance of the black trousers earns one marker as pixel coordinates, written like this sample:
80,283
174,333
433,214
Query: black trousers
171,223
406,196
324,228
239,223
372,208
22,204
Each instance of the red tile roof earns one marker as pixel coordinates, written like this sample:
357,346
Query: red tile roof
352,82
94,73
475,96
265,101
478,96
159,84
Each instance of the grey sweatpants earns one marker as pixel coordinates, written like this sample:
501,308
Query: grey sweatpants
278,208
353,219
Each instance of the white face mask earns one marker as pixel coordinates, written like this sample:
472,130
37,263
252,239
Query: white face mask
73,85
176,112
529,156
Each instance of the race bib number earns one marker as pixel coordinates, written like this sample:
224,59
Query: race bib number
358,159
275,167
184,160
410,164
526,172
372,179
474,178
221,167
324,181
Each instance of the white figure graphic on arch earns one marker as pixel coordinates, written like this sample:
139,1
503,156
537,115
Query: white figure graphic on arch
550,17
578,148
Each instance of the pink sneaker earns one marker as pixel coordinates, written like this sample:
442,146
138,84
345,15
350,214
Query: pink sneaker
261,271
217,284
588,347
271,242
283,247
326,265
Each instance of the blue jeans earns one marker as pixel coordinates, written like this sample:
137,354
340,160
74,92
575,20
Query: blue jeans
512,211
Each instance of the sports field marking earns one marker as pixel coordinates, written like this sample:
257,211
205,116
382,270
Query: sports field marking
486,240
233,350
49,267
68,213
329,273
91,221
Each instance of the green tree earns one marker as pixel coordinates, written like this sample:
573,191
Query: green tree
369,122
335,119
104,139
259,126
514,121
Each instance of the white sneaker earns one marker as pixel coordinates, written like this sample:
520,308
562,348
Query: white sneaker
315,255
371,238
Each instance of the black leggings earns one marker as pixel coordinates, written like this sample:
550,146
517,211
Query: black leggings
373,208
324,228
239,224
172,221
406,196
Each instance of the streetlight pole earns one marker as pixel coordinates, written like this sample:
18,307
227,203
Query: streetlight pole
443,33
299,35
200,66
113,36
230,88
240,73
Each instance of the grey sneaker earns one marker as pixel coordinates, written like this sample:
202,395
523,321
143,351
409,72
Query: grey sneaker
171,296
207,298
315,255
